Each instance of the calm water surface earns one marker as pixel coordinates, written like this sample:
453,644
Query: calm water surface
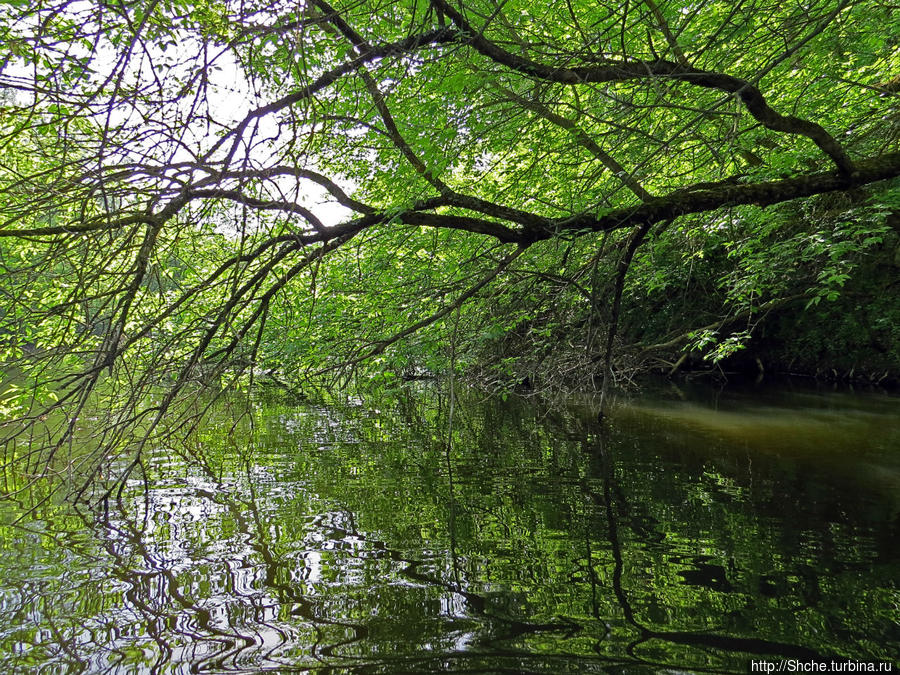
698,531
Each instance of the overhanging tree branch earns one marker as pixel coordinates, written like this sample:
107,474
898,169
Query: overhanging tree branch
684,202
625,71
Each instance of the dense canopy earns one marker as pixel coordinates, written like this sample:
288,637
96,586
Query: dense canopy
197,191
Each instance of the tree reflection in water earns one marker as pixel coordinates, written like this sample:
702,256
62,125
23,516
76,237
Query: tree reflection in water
458,534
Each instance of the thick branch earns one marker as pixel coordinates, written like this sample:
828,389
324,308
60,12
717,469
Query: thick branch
536,227
623,71
467,223
766,193
333,188
259,204
93,225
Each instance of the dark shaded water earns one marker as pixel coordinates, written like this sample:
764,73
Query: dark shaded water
697,533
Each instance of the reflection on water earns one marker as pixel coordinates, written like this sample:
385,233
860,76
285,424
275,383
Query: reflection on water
479,537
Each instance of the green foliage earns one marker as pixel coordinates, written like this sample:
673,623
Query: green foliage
205,193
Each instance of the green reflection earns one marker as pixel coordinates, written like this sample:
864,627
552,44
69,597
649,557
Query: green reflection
420,533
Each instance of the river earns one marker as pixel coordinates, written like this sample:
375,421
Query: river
697,530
